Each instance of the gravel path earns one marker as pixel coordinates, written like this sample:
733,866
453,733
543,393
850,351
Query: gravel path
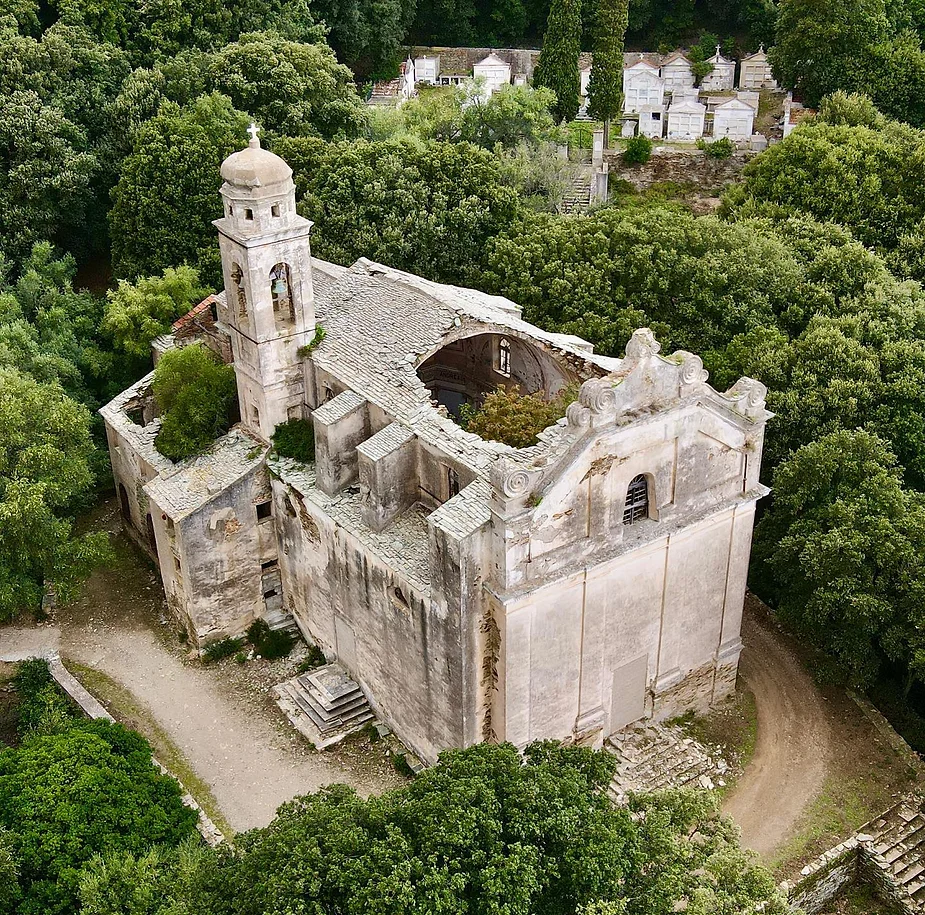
218,717
796,743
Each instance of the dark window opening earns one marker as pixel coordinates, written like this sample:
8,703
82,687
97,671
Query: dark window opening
452,479
248,214
399,599
637,500
271,593
264,510
237,279
281,293
275,209
176,563
230,210
272,564
504,357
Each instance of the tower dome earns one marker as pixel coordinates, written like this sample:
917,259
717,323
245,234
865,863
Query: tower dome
254,167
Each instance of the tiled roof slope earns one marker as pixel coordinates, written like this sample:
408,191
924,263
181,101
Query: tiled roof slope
380,324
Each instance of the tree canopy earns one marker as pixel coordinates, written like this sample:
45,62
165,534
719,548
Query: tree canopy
557,67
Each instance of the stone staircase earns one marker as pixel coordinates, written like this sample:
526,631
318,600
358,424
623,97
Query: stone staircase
282,619
577,197
896,847
654,757
324,704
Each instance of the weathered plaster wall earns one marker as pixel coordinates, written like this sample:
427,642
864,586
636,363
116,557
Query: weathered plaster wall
405,650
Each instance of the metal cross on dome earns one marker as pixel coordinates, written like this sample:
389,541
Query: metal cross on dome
253,130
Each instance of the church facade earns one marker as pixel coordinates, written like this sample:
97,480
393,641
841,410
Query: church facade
473,590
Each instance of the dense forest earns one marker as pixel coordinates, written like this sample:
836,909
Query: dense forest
114,118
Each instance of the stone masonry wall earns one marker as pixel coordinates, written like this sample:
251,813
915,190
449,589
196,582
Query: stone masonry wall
679,166
825,878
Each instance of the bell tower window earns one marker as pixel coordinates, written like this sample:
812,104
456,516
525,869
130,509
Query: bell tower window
637,500
275,209
249,213
281,293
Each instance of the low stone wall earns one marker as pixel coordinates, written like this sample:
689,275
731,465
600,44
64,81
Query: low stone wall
92,708
874,871
679,166
825,878
886,730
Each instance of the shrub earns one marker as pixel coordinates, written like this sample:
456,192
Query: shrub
276,644
314,658
196,395
224,648
638,150
295,439
718,149
270,643
41,702
516,419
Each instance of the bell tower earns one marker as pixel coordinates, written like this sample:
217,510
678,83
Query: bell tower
270,302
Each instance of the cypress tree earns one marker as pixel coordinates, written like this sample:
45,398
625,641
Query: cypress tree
605,88
557,68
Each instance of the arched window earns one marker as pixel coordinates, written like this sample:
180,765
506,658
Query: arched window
281,292
504,357
637,500
237,277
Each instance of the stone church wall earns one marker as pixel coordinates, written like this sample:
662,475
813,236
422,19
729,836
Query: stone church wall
404,650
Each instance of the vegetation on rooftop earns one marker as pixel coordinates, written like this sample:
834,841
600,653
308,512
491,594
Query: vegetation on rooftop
516,419
196,396
295,439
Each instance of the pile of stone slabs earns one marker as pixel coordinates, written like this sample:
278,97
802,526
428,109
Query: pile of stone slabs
324,704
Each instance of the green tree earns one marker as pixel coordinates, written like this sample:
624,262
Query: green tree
506,415
10,891
557,67
291,88
430,208
824,45
46,174
88,789
197,396
487,830
513,115
168,192
840,553
44,469
605,87
137,313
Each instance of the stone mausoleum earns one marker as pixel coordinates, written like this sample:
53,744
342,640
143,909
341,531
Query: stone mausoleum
473,590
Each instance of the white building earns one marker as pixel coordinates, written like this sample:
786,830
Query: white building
722,77
652,122
494,71
677,72
584,77
474,591
755,71
686,120
734,119
643,87
427,70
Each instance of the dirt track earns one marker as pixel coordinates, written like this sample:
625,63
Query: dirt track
796,741
217,717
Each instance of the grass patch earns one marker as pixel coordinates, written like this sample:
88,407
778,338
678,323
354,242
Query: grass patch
218,651
841,807
130,712
731,728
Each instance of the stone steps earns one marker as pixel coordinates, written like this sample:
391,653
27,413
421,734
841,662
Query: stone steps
653,757
897,846
324,704
577,197
282,619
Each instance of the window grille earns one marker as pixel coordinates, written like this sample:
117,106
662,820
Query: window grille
637,500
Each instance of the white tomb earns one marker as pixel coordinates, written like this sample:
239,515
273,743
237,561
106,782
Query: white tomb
686,120
734,119
755,72
643,87
677,72
494,71
722,77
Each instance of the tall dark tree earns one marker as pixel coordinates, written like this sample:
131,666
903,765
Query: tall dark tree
557,68
605,88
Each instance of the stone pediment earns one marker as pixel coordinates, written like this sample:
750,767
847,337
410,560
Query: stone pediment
645,385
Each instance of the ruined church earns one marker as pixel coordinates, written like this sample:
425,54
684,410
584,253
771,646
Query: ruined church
473,590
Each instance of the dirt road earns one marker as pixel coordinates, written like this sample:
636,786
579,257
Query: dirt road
217,717
796,741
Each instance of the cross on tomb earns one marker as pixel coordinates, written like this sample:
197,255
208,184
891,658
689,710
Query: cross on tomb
253,130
